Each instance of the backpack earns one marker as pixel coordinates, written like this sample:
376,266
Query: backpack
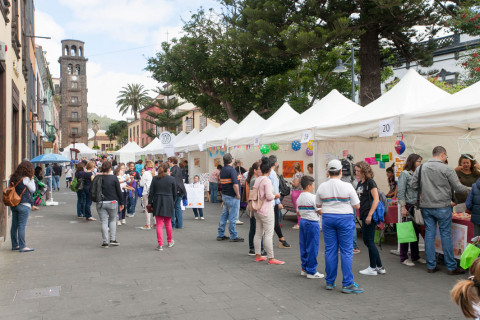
11,197
283,186
96,191
254,202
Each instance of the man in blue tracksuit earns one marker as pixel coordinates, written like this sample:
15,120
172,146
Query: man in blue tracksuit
336,198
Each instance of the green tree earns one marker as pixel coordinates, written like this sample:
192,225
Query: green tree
471,66
118,130
170,117
95,127
132,98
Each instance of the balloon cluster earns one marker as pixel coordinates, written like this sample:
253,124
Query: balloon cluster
264,148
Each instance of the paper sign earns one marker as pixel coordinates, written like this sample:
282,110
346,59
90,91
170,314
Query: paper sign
256,141
385,128
200,147
378,156
382,165
181,154
306,136
371,161
345,153
390,155
195,195
385,158
166,139
399,165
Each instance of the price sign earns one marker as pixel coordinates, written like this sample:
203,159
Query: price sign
306,136
256,141
385,128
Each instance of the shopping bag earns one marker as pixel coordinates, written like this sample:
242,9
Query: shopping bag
406,232
469,255
379,236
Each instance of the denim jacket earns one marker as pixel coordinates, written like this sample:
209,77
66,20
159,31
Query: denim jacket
406,194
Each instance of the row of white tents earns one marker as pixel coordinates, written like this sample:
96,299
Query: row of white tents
422,113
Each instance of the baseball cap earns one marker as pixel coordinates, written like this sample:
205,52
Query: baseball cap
334,165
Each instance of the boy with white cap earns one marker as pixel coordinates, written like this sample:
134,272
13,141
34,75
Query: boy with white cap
336,198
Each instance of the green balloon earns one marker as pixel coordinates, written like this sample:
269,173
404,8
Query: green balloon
274,146
264,148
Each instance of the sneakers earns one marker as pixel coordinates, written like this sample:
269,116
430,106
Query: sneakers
119,223
260,259
171,244
381,270
369,271
296,227
330,286
251,252
196,218
408,263
237,239
282,244
159,248
124,221
146,227
317,275
353,288
356,250
105,245
239,222
130,215
421,260
222,238
114,243
303,273
202,218
275,261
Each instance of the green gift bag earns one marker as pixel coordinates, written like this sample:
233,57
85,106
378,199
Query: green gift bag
469,255
379,237
406,232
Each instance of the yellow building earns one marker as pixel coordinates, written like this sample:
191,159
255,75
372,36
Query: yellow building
194,119
13,95
134,133
103,142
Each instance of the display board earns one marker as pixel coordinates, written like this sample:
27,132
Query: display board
195,195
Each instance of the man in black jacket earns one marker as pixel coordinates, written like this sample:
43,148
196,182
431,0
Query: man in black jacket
176,172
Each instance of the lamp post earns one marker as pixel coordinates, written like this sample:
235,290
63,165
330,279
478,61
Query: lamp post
340,68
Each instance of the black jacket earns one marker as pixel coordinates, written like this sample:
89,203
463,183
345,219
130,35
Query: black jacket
111,189
162,196
176,172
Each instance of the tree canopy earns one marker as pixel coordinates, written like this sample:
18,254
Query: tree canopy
132,98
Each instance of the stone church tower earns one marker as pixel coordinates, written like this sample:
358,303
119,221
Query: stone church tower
73,93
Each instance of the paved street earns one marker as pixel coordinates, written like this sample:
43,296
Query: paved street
70,277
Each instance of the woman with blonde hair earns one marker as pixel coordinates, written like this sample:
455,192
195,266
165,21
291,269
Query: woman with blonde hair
145,182
466,293
368,193
296,188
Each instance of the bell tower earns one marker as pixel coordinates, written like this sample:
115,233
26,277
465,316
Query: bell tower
73,92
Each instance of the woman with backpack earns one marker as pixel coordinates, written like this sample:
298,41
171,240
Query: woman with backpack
253,173
23,180
368,193
265,216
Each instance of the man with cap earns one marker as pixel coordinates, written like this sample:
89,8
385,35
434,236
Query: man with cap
231,200
338,200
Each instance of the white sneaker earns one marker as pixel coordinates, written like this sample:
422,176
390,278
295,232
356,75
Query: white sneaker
239,222
408,263
171,244
369,271
119,223
124,221
196,218
317,275
202,218
421,260
303,273
381,270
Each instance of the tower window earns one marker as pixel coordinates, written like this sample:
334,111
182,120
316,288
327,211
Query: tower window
75,131
74,99
69,69
80,51
74,85
75,115
77,69
66,51
73,50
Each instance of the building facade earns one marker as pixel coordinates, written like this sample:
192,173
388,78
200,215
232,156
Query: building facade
104,143
194,119
145,125
134,131
73,93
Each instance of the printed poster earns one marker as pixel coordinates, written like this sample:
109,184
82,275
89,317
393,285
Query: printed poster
196,162
459,239
399,165
217,161
195,195
287,168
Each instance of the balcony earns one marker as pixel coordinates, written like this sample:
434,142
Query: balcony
77,119
75,104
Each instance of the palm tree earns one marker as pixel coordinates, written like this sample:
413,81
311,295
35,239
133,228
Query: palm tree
95,127
133,97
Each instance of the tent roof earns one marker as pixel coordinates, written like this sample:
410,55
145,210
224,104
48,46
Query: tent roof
131,147
84,150
281,117
154,144
185,141
180,136
201,138
221,133
412,93
324,112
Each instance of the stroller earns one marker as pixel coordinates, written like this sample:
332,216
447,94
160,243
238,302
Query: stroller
40,192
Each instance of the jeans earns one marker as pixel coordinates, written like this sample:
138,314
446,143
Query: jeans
442,216
231,206
121,213
177,220
264,227
131,202
107,211
56,182
20,215
168,227
197,212
88,203
278,217
81,201
369,241
251,233
309,236
338,229
213,192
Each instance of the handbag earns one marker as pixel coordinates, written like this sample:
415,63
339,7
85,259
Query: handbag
418,218
406,232
469,255
80,184
10,195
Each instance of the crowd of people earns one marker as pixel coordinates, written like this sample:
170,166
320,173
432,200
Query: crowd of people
332,209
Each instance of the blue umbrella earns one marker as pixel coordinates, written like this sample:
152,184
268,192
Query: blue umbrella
49,158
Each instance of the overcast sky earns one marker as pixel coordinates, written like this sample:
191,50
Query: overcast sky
119,36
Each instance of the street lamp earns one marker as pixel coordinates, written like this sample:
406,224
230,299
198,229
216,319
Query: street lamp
340,68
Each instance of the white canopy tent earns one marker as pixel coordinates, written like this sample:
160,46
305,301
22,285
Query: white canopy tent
179,137
85,151
200,139
277,121
128,152
221,132
148,149
182,145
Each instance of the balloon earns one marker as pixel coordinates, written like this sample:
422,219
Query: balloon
265,148
274,146
296,145
400,146
309,152
310,144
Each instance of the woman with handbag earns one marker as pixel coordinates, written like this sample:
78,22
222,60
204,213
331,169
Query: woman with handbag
81,197
145,182
23,180
407,199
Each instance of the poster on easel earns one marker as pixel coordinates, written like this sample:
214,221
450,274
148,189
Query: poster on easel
195,195
459,239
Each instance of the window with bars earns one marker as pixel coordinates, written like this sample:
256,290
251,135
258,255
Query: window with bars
203,122
189,124
75,131
74,115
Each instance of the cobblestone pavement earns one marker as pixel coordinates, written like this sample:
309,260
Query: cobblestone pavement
70,277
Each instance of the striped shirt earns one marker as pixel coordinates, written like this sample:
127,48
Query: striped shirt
306,206
337,197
